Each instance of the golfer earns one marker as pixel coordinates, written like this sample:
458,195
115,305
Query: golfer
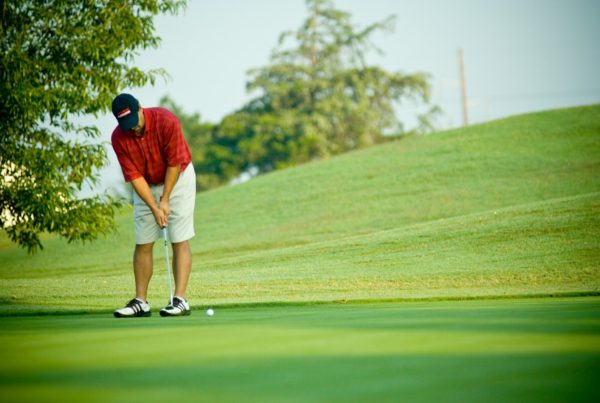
155,158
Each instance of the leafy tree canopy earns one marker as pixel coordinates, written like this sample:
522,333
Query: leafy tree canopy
61,60
212,155
319,97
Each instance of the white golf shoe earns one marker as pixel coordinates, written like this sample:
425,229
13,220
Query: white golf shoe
179,307
134,308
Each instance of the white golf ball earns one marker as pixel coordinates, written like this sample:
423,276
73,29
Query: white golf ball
210,312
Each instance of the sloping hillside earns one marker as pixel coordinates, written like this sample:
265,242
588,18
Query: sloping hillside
504,208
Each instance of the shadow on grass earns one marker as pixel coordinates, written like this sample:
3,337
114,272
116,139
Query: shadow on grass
522,377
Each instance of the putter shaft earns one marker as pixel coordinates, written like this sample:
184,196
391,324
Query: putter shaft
164,230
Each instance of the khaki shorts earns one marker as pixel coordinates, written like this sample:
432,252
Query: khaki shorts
181,219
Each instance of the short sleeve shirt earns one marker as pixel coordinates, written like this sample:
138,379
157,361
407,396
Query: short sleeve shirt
162,145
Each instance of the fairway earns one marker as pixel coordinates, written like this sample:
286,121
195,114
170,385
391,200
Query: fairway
460,266
485,350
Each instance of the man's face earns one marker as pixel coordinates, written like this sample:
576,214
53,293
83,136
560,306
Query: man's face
139,129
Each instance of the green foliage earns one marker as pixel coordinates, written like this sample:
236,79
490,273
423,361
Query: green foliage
318,97
212,155
61,60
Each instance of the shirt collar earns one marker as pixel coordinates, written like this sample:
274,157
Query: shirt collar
149,123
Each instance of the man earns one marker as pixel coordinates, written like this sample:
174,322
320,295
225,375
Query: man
155,158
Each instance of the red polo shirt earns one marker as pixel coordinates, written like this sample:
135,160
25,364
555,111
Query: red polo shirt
162,145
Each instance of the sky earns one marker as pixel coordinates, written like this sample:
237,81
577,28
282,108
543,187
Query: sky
519,56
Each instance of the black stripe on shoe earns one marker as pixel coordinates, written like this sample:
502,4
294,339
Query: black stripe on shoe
177,303
137,308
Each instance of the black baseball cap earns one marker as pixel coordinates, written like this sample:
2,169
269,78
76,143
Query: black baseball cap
125,108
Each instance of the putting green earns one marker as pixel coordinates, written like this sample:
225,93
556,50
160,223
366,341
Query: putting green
479,350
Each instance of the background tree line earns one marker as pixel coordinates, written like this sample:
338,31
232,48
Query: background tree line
61,60
316,98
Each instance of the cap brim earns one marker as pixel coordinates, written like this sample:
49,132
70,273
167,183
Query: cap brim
129,122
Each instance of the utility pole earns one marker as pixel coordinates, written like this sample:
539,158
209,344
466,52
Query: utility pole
463,87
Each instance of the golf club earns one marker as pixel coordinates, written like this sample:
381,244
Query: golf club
164,230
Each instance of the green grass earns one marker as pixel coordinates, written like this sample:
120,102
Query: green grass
436,236
511,207
508,350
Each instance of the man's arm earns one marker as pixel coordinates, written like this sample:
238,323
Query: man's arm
143,190
170,180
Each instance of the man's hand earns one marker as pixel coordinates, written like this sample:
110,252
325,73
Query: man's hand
164,206
171,177
143,190
160,217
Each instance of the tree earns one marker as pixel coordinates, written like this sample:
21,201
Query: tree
212,154
61,60
319,97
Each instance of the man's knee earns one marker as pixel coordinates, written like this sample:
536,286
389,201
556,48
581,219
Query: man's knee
181,246
144,248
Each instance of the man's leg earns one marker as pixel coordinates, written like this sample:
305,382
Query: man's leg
142,269
181,226
182,266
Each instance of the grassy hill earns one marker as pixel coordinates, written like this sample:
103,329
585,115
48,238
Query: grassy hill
510,208
507,208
